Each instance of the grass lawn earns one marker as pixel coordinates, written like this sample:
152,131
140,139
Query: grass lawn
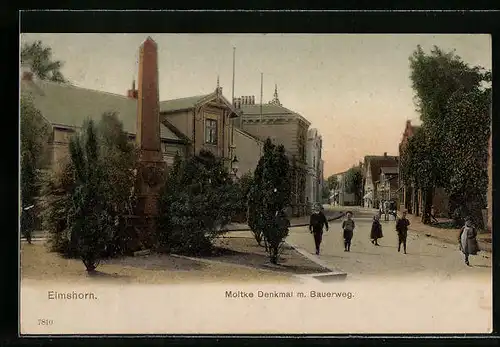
37,263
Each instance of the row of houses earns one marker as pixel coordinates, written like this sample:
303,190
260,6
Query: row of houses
233,130
381,181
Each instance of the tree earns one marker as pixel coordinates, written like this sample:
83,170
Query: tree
255,196
470,133
39,58
34,140
419,169
90,223
454,107
332,182
100,171
55,206
196,204
325,193
119,158
354,182
269,196
244,185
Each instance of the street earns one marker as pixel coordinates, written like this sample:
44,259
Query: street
425,256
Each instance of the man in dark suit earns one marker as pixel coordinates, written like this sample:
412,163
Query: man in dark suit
402,230
316,223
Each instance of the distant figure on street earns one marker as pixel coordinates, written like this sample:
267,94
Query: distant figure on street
348,226
376,232
467,240
387,207
316,223
433,215
27,222
402,229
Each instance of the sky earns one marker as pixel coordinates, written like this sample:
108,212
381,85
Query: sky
354,88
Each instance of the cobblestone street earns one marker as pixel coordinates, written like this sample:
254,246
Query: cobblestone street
426,256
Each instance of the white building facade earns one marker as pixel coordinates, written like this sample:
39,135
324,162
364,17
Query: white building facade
340,195
314,166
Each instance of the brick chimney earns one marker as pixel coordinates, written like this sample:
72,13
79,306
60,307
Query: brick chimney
133,93
385,154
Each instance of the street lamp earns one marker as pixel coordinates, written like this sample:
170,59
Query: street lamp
234,167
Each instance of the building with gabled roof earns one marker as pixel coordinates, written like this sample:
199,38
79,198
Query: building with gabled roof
372,170
65,107
283,126
187,125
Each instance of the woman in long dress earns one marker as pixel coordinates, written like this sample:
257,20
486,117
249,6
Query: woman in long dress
468,241
376,232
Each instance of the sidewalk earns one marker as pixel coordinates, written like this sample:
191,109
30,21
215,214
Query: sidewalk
446,235
295,222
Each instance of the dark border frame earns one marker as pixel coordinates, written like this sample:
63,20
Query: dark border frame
248,21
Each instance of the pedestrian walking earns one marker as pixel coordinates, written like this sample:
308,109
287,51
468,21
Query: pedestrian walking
433,215
387,206
402,230
376,232
316,223
27,222
348,226
467,240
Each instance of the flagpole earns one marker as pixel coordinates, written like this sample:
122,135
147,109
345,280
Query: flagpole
261,92
231,151
234,59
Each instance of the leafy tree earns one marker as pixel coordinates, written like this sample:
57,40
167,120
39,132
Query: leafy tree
198,201
269,196
354,182
90,223
39,58
325,193
244,185
332,182
34,139
454,107
419,168
246,182
100,171
55,206
470,134
255,208
119,159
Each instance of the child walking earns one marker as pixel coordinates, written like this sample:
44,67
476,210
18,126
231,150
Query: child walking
376,232
348,226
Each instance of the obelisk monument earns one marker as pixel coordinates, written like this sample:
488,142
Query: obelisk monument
151,164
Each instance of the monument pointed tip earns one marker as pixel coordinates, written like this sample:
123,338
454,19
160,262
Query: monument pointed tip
150,40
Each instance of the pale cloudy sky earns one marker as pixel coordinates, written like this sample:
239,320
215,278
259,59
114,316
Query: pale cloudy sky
354,88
